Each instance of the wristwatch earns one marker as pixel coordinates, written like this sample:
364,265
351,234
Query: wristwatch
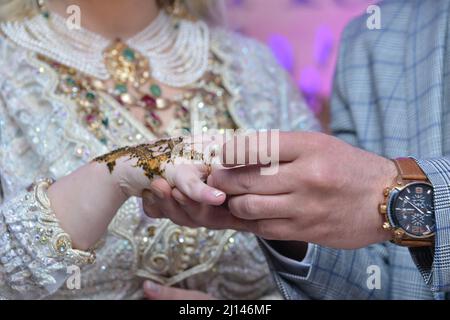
408,206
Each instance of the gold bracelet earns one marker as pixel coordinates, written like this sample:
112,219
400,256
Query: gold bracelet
49,231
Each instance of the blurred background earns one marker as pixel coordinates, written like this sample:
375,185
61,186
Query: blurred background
304,36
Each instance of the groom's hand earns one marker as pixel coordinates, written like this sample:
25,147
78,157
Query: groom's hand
326,191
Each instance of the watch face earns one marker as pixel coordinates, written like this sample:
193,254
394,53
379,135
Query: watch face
414,211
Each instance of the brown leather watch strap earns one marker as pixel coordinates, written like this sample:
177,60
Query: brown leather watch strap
408,169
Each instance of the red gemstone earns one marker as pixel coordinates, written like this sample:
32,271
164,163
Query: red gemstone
149,101
155,117
90,118
119,99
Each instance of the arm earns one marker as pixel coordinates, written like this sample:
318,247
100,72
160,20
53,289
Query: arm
108,181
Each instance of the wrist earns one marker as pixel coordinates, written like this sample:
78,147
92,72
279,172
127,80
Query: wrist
129,178
112,180
85,201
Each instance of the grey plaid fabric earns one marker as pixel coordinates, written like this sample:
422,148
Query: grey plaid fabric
392,97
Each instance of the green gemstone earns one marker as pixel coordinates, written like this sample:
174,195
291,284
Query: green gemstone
103,140
105,122
71,82
121,88
129,54
155,90
90,96
46,14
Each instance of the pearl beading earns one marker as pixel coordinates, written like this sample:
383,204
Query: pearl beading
177,49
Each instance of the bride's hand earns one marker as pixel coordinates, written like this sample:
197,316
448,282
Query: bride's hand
183,163
86,200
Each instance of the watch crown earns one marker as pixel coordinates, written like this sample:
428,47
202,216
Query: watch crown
399,233
386,191
386,226
382,208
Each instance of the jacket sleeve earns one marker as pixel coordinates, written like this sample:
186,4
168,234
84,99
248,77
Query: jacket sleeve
434,263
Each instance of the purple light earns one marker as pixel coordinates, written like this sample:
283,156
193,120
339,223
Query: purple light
302,2
310,83
237,3
282,50
310,80
323,45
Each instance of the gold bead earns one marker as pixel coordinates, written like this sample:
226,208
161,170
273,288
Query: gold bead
151,231
399,233
382,208
386,226
98,84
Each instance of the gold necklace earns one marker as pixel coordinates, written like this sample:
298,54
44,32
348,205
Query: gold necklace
130,72
84,89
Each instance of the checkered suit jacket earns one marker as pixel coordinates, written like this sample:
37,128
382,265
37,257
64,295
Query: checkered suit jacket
392,97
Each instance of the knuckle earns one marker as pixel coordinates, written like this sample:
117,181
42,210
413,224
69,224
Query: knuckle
218,179
248,205
245,179
234,205
319,174
192,182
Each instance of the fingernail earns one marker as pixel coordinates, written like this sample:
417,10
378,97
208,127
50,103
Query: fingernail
151,287
217,193
149,199
157,193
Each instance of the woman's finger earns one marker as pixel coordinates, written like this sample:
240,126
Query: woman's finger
160,188
189,179
168,207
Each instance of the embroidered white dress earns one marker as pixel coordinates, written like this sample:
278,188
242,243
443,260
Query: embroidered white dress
41,135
